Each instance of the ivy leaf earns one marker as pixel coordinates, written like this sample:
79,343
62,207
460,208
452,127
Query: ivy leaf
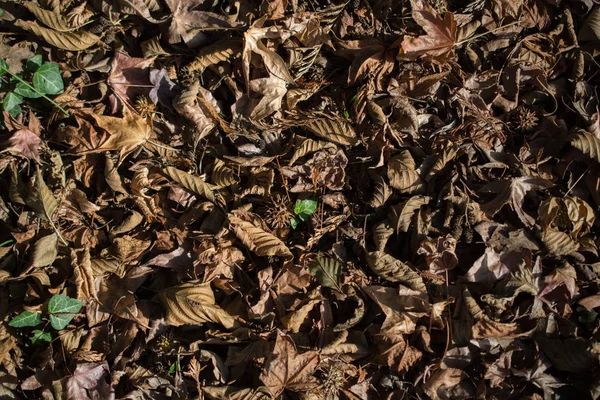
294,223
305,208
11,102
25,91
61,309
3,67
25,319
34,63
47,79
41,335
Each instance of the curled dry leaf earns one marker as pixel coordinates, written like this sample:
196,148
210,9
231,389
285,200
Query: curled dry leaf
393,270
193,303
73,41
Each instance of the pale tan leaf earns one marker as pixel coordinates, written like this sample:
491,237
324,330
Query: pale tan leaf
222,176
559,243
381,234
112,177
394,270
215,53
74,41
191,182
45,250
83,274
402,172
193,303
102,266
308,146
335,130
130,222
257,240
53,20
124,134
403,213
586,142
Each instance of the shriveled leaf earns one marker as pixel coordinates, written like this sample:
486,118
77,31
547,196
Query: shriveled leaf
193,303
88,382
215,53
394,270
559,243
326,271
222,176
52,19
257,240
74,41
585,141
381,192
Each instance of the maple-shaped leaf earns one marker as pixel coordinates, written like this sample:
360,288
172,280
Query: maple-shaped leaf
513,191
187,22
129,78
286,369
124,134
441,33
26,140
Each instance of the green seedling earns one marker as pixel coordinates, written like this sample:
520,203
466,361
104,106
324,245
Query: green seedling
303,210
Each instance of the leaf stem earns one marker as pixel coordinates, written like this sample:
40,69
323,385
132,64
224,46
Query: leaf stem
21,80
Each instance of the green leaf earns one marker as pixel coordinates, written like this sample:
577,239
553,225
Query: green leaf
305,208
3,67
62,310
25,91
26,318
11,101
47,79
326,271
1,12
174,367
294,223
34,63
41,335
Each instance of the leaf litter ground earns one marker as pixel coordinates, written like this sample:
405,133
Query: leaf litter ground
299,199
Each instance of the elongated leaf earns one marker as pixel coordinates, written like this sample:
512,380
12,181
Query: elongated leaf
403,213
217,52
191,182
41,198
193,303
327,271
45,250
309,146
381,192
257,240
394,270
51,19
25,319
333,129
74,41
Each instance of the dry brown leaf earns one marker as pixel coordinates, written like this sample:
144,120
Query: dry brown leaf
394,270
402,172
441,33
193,303
286,369
74,41
45,251
191,182
257,240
